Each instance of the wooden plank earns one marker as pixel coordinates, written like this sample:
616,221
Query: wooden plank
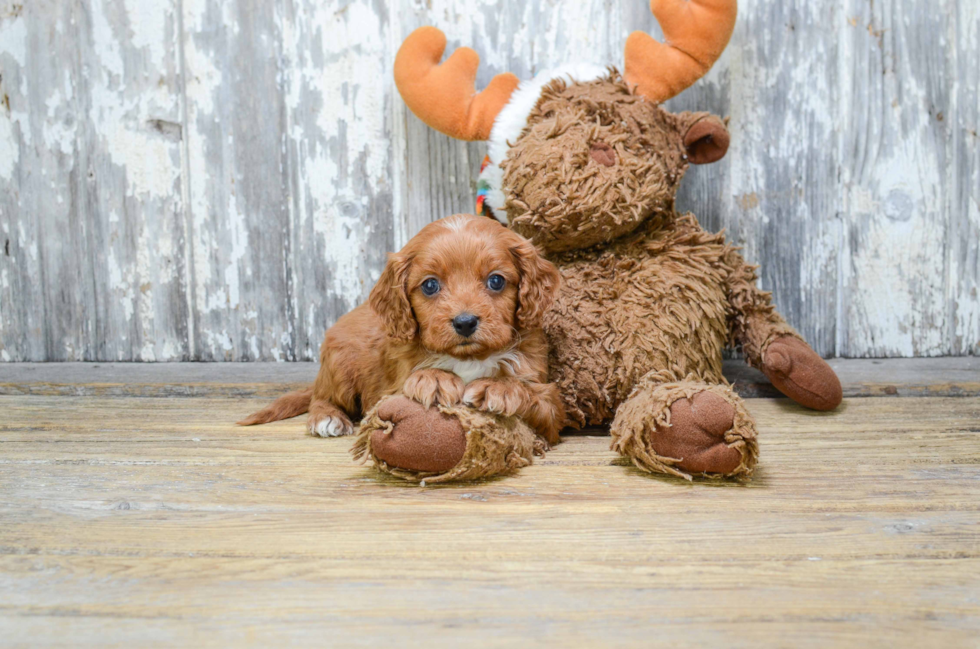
860,378
129,183
41,178
897,81
151,442
154,522
252,164
338,89
237,193
91,213
24,172
964,182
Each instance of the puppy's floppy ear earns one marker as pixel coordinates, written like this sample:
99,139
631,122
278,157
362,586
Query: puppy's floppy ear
389,298
539,284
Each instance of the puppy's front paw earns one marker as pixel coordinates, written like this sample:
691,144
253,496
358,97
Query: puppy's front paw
503,397
434,386
329,426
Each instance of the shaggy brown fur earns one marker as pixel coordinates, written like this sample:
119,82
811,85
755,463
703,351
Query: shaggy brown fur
405,340
642,426
494,444
552,166
649,299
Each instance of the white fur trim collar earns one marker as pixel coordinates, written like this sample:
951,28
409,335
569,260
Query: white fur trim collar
512,120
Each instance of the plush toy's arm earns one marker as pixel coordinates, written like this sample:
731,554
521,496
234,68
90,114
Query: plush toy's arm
754,323
774,347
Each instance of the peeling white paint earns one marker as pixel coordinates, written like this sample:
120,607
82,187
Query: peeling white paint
13,40
147,353
222,340
59,130
895,303
203,85
120,285
170,352
351,89
9,147
148,161
204,80
239,246
106,42
148,22
835,147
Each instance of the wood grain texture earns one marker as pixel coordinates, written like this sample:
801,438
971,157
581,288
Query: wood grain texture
897,377
204,180
156,522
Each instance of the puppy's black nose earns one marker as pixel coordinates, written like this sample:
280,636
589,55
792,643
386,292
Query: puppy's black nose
465,324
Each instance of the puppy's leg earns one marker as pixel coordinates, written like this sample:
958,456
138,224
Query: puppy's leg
334,399
434,386
545,412
327,420
537,403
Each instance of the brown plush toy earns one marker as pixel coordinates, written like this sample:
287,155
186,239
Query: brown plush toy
586,164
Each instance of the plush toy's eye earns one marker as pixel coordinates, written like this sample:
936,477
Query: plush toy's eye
496,282
430,287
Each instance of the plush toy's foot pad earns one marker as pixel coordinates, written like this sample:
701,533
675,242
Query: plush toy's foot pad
696,435
442,443
799,373
686,427
421,439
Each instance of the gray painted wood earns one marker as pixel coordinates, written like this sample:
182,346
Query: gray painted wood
92,219
893,161
963,173
222,179
907,377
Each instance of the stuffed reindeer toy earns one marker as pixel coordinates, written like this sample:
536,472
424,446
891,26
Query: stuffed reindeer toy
585,163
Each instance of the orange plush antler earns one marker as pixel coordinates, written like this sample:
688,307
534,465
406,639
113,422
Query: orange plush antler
444,96
696,33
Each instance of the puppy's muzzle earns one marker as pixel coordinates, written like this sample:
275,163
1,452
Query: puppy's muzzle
465,324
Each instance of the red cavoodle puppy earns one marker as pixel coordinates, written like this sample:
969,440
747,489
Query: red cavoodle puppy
454,318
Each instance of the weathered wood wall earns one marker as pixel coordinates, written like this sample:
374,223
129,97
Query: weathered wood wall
219,179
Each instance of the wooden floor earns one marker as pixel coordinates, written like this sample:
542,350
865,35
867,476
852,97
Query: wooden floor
156,522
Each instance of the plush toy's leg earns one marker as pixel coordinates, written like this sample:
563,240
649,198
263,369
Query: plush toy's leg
686,427
774,347
440,444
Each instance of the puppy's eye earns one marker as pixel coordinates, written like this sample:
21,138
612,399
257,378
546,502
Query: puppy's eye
496,282
430,287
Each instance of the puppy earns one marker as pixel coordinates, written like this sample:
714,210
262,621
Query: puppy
455,317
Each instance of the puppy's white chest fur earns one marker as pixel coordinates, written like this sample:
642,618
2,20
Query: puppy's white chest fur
504,363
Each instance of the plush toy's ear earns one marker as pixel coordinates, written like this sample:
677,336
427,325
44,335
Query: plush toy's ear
539,284
389,298
706,139
444,96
